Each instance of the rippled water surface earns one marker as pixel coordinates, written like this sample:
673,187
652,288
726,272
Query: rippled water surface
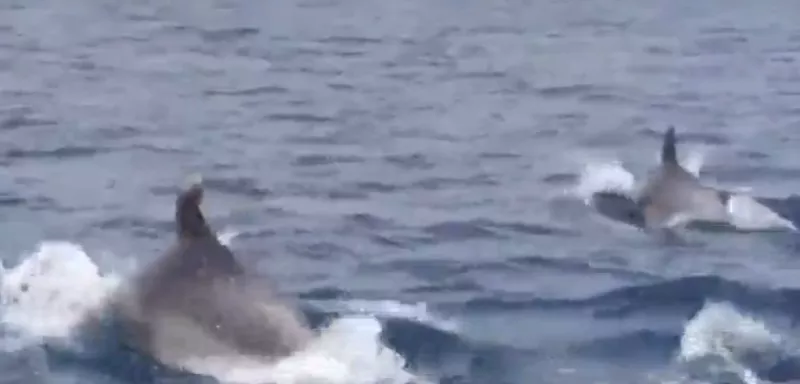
413,160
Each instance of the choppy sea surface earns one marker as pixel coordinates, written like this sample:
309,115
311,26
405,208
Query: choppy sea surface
415,173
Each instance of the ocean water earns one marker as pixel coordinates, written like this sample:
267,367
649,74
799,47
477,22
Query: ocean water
417,174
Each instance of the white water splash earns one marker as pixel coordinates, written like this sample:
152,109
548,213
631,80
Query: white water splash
693,161
718,340
52,290
388,308
604,177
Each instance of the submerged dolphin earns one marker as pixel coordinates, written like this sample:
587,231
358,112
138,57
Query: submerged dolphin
674,195
197,302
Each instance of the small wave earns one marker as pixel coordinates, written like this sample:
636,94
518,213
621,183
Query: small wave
675,297
724,345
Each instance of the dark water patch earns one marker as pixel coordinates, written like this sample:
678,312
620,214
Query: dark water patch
449,287
313,160
461,231
529,228
341,87
439,183
395,241
681,298
369,221
350,40
488,75
319,3
546,133
320,251
745,173
562,91
601,26
451,358
410,161
376,186
689,96
640,345
730,44
228,35
570,118
118,132
431,270
538,262
499,155
45,204
252,91
11,199
753,154
560,178
659,50
17,121
688,294
120,365
787,208
606,96
404,76
242,186
166,150
61,153
496,30
346,194
325,293
139,227
299,118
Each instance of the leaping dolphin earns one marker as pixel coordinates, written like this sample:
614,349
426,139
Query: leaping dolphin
673,195
197,302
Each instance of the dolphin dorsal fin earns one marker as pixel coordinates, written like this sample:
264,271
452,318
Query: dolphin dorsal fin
188,217
669,154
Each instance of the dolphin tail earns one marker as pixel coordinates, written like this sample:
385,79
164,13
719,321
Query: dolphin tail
189,219
669,155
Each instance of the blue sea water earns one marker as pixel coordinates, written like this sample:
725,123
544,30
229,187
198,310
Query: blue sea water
414,172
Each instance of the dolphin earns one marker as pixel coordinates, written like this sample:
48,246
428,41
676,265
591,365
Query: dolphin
197,301
673,195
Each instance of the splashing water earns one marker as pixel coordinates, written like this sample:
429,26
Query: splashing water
719,341
52,290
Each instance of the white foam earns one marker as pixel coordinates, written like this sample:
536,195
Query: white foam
348,351
694,160
718,339
227,236
50,292
604,177
388,308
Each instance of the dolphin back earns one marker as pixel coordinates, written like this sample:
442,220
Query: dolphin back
197,301
673,195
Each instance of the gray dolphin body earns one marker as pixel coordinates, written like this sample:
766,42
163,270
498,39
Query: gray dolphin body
197,302
673,194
